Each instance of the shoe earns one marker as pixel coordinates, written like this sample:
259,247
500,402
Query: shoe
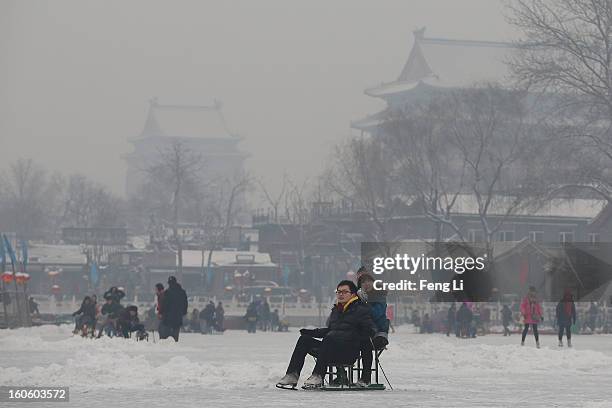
290,380
522,342
537,344
560,343
569,342
362,384
312,382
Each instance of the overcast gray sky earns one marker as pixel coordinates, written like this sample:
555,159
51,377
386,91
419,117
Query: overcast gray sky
76,75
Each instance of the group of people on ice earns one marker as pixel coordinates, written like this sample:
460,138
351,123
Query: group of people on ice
531,310
357,325
208,320
259,316
464,322
113,319
531,316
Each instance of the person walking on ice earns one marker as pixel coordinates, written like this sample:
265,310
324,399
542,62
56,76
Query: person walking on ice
566,316
506,319
532,315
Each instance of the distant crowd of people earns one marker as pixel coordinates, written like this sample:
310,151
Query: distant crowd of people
115,320
258,316
111,318
209,320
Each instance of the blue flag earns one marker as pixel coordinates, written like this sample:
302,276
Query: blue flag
2,255
209,276
286,274
24,254
10,251
93,274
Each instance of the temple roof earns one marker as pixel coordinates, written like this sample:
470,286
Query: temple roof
448,63
185,121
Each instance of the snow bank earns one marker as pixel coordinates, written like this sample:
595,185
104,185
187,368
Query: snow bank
238,361
123,363
438,353
60,339
87,370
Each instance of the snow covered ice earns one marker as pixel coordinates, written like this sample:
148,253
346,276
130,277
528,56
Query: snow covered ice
237,370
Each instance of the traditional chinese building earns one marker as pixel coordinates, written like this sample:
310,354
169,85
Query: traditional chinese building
201,129
436,64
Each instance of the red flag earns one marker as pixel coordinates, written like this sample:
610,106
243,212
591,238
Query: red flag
524,271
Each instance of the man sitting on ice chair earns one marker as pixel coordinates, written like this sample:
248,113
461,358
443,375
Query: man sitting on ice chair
349,324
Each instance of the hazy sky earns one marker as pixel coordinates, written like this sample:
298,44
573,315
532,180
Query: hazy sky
76,75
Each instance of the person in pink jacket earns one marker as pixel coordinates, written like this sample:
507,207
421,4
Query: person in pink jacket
532,315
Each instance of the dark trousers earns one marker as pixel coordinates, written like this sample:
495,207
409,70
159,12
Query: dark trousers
167,331
506,329
366,360
450,328
251,326
535,331
326,351
568,331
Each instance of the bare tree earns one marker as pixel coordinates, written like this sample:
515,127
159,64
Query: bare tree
177,170
497,142
274,201
360,173
222,203
23,190
427,168
567,51
89,204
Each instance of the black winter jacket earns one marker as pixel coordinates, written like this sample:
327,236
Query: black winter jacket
112,310
87,310
174,306
563,319
115,296
349,326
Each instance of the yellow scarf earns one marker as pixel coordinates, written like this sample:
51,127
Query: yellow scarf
351,300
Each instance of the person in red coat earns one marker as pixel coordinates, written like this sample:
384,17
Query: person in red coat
532,314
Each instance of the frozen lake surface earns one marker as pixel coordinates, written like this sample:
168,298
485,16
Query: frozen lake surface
239,370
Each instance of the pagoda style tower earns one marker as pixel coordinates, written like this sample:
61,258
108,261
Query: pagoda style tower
202,129
433,65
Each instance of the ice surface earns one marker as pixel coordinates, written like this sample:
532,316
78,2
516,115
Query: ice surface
240,370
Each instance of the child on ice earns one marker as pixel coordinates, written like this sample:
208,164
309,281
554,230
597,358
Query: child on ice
532,315
566,316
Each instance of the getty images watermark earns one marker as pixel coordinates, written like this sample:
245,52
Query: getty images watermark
477,272
34,394
404,263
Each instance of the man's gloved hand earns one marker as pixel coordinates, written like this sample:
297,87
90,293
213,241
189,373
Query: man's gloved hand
307,332
380,342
